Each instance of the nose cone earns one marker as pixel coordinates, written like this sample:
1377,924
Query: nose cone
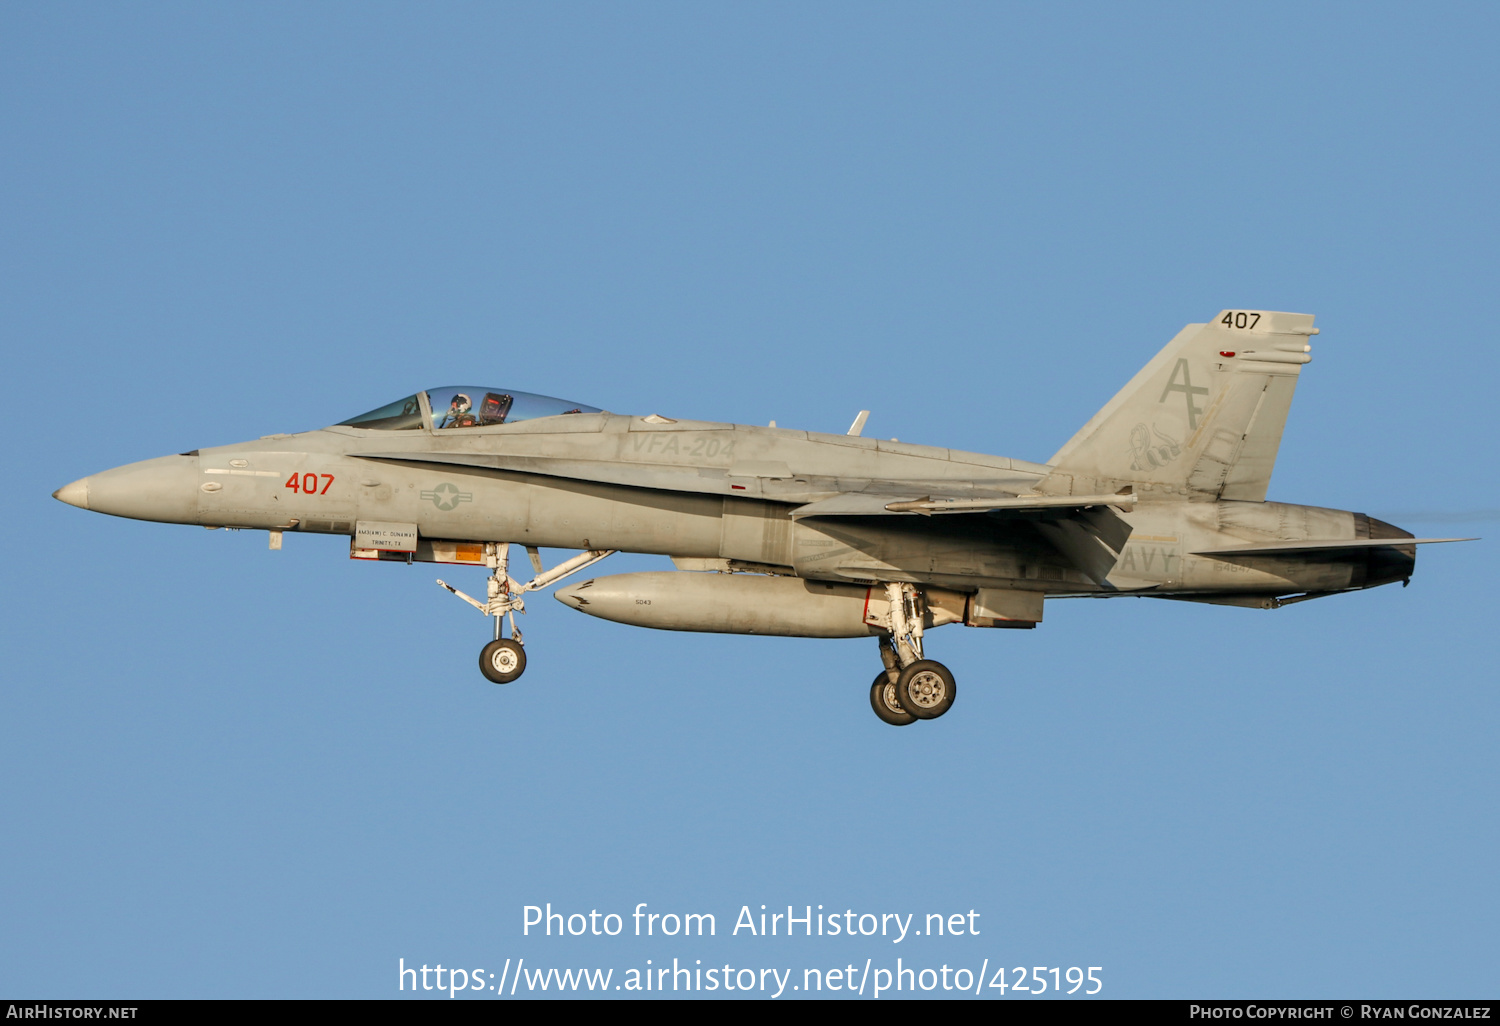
573,595
75,494
164,489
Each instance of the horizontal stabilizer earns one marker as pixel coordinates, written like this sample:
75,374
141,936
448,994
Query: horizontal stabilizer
1316,547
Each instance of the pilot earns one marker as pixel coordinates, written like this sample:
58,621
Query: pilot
458,413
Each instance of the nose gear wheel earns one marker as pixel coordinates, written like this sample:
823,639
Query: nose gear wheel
502,660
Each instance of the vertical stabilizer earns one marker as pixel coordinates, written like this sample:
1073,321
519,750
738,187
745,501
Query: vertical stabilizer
1203,419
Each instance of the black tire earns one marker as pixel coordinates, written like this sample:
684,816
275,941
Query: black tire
926,689
882,697
502,661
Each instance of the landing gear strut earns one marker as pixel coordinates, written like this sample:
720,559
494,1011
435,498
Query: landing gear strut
504,659
911,687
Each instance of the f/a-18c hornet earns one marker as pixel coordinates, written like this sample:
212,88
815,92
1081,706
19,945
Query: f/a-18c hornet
800,534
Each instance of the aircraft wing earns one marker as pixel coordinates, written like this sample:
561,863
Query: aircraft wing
1084,529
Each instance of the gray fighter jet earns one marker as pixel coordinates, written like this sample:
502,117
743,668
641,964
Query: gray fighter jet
801,534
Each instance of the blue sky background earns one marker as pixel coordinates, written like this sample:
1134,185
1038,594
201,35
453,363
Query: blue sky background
231,772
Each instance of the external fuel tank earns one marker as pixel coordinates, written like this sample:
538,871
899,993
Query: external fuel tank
747,604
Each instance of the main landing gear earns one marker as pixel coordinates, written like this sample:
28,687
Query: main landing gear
910,688
504,659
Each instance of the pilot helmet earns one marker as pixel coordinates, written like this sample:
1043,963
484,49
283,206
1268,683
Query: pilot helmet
461,401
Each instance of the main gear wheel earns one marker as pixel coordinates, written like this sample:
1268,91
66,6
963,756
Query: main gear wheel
883,701
925,689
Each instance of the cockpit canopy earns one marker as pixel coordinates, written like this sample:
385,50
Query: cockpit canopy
464,406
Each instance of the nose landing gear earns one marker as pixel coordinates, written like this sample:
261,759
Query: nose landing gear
911,687
504,659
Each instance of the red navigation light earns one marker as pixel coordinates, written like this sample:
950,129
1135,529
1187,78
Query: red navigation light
1226,354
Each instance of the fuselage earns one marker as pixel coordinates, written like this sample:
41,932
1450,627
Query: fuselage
713,491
